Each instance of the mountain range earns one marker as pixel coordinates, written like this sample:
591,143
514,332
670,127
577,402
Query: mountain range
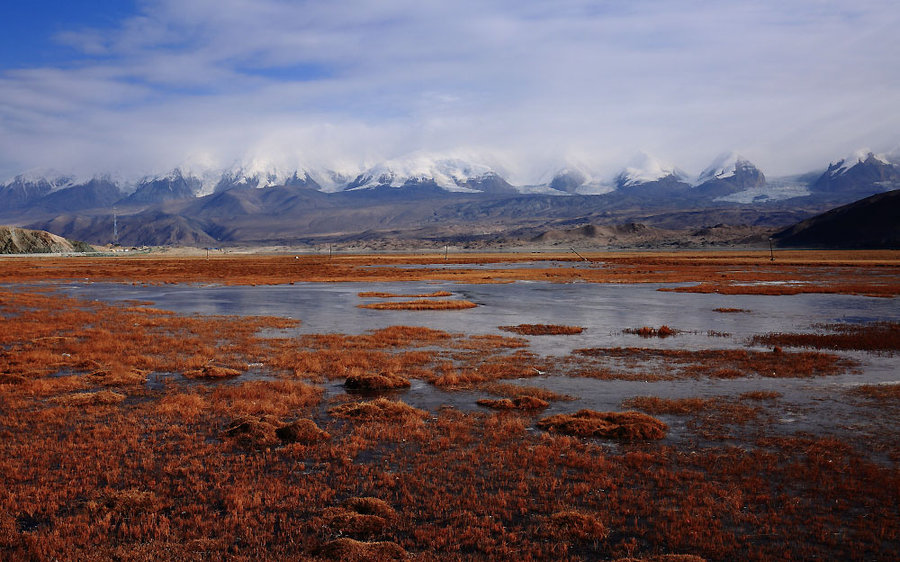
432,200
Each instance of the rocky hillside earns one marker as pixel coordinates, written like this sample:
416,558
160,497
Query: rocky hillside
15,240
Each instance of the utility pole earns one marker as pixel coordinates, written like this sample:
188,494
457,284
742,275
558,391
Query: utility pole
771,250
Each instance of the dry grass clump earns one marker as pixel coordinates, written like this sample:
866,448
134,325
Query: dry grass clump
119,375
664,558
266,431
881,392
577,525
302,431
648,332
346,522
374,382
712,415
8,378
274,398
380,409
879,336
520,403
421,305
360,517
625,426
350,550
377,295
730,310
760,395
516,390
725,363
253,431
677,406
212,372
370,506
543,329
98,398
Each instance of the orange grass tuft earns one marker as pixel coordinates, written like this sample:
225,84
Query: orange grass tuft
760,395
724,363
881,392
656,405
380,409
517,390
880,336
98,398
377,295
578,525
421,305
626,426
373,382
302,431
212,372
543,329
520,403
350,550
648,332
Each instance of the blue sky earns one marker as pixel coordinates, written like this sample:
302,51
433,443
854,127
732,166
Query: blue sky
28,28
524,86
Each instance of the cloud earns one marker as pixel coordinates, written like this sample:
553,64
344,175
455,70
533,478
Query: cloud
524,86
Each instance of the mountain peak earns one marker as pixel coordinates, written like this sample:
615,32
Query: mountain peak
863,155
725,165
644,168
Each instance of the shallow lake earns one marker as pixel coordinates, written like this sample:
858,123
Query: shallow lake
603,310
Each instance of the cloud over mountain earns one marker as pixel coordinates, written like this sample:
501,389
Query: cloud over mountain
526,86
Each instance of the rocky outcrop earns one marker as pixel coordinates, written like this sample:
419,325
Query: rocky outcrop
15,240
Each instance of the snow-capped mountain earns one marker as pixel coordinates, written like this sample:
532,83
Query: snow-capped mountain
862,171
24,189
174,185
733,167
645,169
860,156
579,181
451,174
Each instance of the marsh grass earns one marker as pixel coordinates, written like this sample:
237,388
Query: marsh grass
527,403
421,304
194,470
378,295
543,329
625,426
877,337
648,332
98,398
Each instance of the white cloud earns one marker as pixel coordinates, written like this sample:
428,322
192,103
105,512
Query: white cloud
524,86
